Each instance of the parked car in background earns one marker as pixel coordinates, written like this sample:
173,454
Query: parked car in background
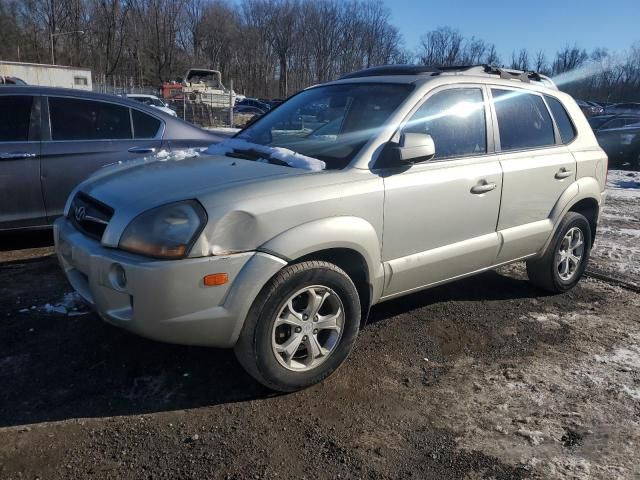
11,81
248,109
254,102
589,109
52,138
597,109
279,241
604,105
623,108
601,122
622,145
152,101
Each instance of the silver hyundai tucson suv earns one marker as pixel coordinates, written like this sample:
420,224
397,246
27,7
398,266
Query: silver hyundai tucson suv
278,241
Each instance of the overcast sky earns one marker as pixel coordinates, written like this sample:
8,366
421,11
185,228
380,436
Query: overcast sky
539,24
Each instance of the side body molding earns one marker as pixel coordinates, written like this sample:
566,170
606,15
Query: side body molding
348,232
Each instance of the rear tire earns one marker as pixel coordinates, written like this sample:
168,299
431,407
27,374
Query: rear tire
301,327
563,263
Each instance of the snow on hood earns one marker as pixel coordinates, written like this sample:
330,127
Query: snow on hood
164,155
291,158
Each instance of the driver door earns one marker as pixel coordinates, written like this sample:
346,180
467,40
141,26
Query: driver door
440,216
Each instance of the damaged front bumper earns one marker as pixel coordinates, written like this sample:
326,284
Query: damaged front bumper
164,300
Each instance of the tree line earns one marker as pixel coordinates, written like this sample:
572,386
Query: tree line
270,48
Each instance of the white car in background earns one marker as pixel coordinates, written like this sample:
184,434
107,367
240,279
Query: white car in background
152,101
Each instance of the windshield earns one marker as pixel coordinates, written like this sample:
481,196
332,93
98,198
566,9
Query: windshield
331,123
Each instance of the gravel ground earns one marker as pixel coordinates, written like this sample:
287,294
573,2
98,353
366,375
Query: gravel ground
483,378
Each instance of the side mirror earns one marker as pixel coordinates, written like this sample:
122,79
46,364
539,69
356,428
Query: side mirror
415,147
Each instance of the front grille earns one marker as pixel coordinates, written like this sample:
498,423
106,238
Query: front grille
89,215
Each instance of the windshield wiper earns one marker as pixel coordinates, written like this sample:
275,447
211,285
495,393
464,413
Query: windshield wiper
255,155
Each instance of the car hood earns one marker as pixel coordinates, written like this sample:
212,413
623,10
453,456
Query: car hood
131,188
161,181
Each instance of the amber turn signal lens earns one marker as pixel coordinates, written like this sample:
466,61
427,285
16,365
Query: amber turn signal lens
215,279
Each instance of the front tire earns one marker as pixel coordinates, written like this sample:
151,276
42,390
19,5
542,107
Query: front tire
301,327
566,257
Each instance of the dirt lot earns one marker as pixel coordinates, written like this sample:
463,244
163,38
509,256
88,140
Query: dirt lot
484,378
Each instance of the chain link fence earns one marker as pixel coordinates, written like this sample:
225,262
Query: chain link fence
206,110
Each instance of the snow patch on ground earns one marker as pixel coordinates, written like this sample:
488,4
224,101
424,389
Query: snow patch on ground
623,184
71,305
291,158
617,249
627,357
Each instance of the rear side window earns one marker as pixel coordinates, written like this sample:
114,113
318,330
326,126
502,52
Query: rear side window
144,126
74,119
565,127
523,120
15,118
455,119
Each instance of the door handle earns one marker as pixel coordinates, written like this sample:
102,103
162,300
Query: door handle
563,173
142,150
483,187
16,155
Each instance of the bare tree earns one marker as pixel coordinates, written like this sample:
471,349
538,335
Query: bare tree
108,33
441,47
271,47
520,60
541,64
569,58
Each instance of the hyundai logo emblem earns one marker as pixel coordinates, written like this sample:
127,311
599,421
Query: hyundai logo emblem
80,213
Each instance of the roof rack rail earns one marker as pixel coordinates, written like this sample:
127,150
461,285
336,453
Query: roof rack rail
484,69
384,70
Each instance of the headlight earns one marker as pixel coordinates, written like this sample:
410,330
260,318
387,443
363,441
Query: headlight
165,232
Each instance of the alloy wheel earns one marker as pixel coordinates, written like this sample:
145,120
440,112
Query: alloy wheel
570,254
308,328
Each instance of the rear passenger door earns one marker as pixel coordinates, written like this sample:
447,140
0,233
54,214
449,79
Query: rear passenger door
21,202
83,135
536,164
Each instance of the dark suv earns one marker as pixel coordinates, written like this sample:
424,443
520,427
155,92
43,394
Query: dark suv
51,139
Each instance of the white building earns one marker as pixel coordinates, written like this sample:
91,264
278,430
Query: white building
48,75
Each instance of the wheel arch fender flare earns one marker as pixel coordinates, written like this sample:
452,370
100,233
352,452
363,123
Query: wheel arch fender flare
581,189
341,232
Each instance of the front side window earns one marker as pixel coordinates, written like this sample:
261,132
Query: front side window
523,120
565,127
15,118
456,121
330,123
75,119
144,126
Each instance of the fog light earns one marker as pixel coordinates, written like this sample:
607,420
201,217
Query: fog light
215,279
117,276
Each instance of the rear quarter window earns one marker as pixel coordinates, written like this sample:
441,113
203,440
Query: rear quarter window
523,120
563,122
144,126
